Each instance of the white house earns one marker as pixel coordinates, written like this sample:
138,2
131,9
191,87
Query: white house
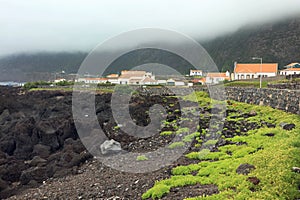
136,77
162,82
149,81
290,71
113,78
59,80
215,78
92,80
196,72
172,82
254,70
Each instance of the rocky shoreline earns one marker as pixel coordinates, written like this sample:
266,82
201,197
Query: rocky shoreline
39,140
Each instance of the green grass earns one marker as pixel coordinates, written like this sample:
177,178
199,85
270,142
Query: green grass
273,158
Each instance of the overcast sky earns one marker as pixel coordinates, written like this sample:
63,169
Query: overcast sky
68,25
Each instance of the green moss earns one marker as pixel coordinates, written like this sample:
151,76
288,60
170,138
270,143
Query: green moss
211,142
166,133
182,130
141,158
176,145
190,137
156,192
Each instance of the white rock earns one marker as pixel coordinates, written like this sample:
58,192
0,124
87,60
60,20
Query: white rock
110,146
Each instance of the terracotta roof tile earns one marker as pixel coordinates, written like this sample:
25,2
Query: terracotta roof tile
291,69
255,67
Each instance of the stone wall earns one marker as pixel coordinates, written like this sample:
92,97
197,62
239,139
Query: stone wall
290,86
287,100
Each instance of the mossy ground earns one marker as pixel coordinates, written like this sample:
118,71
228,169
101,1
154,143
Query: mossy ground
273,158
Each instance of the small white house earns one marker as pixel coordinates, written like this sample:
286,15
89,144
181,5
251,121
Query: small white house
215,78
59,80
113,78
92,80
290,71
196,72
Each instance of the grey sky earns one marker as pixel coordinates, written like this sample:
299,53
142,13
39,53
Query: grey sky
56,25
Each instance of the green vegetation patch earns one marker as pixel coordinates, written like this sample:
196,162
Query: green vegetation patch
272,156
141,158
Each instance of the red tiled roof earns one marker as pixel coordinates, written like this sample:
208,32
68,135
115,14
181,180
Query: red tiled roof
128,74
112,76
256,68
149,80
199,80
292,64
291,69
216,75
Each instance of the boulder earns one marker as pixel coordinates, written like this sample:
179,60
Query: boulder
287,126
254,180
8,146
37,161
3,184
110,147
41,150
5,115
252,113
269,134
245,168
37,174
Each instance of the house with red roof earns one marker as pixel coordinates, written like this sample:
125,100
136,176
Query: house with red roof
291,69
137,78
254,70
215,78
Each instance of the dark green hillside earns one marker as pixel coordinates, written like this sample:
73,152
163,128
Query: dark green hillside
275,42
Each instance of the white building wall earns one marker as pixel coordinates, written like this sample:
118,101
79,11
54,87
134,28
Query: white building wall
114,81
162,82
212,80
196,73
244,76
289,72
179,83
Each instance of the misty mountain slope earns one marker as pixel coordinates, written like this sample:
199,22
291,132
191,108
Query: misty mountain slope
276,42
20,67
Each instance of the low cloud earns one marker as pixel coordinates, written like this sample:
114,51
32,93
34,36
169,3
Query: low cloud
52,25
